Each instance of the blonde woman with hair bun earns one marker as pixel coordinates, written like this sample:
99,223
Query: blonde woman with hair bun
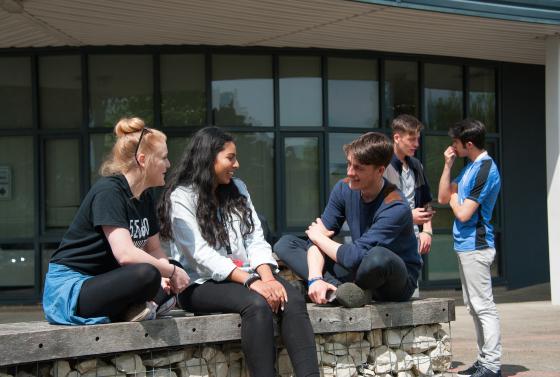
110,265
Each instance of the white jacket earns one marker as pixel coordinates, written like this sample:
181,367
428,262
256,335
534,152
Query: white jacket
203,262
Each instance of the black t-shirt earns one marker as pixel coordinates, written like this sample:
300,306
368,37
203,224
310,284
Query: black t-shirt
109,202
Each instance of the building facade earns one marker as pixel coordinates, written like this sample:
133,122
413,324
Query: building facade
291,108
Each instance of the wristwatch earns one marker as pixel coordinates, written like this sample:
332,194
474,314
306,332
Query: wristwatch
251,279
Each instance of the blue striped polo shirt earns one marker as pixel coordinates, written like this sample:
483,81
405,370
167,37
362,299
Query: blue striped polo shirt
478,181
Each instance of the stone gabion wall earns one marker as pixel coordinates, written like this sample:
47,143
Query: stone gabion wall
398,352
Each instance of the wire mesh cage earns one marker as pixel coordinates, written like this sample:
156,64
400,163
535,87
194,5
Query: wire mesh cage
413,351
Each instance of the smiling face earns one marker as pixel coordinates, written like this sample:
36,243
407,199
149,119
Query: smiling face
158,165
361,176
406,143
226,164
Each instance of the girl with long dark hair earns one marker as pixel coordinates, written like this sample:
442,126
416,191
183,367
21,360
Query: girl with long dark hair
216,234
110,265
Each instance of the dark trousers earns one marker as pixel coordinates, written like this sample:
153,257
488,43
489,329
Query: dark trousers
257,330
112,293
381,270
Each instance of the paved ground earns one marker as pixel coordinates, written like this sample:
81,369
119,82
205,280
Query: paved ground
530,330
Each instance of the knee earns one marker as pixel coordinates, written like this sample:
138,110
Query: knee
148,275
257,308
296,303
375,261
285,245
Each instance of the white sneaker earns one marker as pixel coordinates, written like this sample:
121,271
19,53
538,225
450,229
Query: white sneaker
141,312
166,307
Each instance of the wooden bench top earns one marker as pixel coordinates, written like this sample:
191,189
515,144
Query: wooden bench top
36,341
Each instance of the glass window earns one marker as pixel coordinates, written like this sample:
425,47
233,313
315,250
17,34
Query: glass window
302,180
62,177
255,152
242,93
47,251
401,89
301,99
175,147
353,93
443,95
183,90
482,96
17,265
60,86
120,85
337,158
101,145
15,93
442,259
434,146
17,199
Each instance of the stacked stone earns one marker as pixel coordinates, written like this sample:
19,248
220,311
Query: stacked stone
401,352
398,352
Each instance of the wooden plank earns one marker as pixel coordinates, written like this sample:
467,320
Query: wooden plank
37,341
336,319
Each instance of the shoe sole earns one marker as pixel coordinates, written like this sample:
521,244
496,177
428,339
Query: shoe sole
140,316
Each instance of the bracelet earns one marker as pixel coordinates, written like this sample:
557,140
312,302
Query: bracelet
313,280
251,279
173,273
428,233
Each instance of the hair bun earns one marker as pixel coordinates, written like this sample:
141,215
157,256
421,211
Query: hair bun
128,125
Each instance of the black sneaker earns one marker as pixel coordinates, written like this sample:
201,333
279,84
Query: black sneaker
350,295
469,371
482,371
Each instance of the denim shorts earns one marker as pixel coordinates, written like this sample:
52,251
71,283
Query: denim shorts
60,297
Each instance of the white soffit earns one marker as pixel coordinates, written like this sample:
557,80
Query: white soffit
333,24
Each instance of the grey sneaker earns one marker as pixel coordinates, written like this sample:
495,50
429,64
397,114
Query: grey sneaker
350,295
166,307
141,312
482,371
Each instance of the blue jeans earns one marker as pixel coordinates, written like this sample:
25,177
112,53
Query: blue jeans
381,271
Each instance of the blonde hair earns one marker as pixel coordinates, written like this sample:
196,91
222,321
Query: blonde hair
122,158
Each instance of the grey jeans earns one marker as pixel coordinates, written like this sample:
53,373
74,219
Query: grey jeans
476,280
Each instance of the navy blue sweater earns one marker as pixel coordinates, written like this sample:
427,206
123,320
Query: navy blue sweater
386,221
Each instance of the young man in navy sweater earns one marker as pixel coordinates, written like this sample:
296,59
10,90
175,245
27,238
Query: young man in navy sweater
382,262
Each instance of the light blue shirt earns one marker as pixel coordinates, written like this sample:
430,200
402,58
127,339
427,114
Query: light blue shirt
478,181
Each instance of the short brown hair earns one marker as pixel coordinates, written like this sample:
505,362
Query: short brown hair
372,148
406,123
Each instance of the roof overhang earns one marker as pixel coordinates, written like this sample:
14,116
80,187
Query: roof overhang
329,24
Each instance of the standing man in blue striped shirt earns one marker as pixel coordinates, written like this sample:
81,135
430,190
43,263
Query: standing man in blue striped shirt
472,196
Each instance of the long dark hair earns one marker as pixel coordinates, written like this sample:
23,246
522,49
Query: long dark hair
196,169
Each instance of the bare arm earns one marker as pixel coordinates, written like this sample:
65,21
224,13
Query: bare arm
463,212
126,253
445,184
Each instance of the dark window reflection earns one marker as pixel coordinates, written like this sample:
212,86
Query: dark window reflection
300,91
183,94
242,90
443,95
17,266
60,83
302,180
401,89
255,152
15,92
120,85
353,93
482,96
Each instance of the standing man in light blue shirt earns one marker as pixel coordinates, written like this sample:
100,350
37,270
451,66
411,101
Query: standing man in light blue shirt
472,196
